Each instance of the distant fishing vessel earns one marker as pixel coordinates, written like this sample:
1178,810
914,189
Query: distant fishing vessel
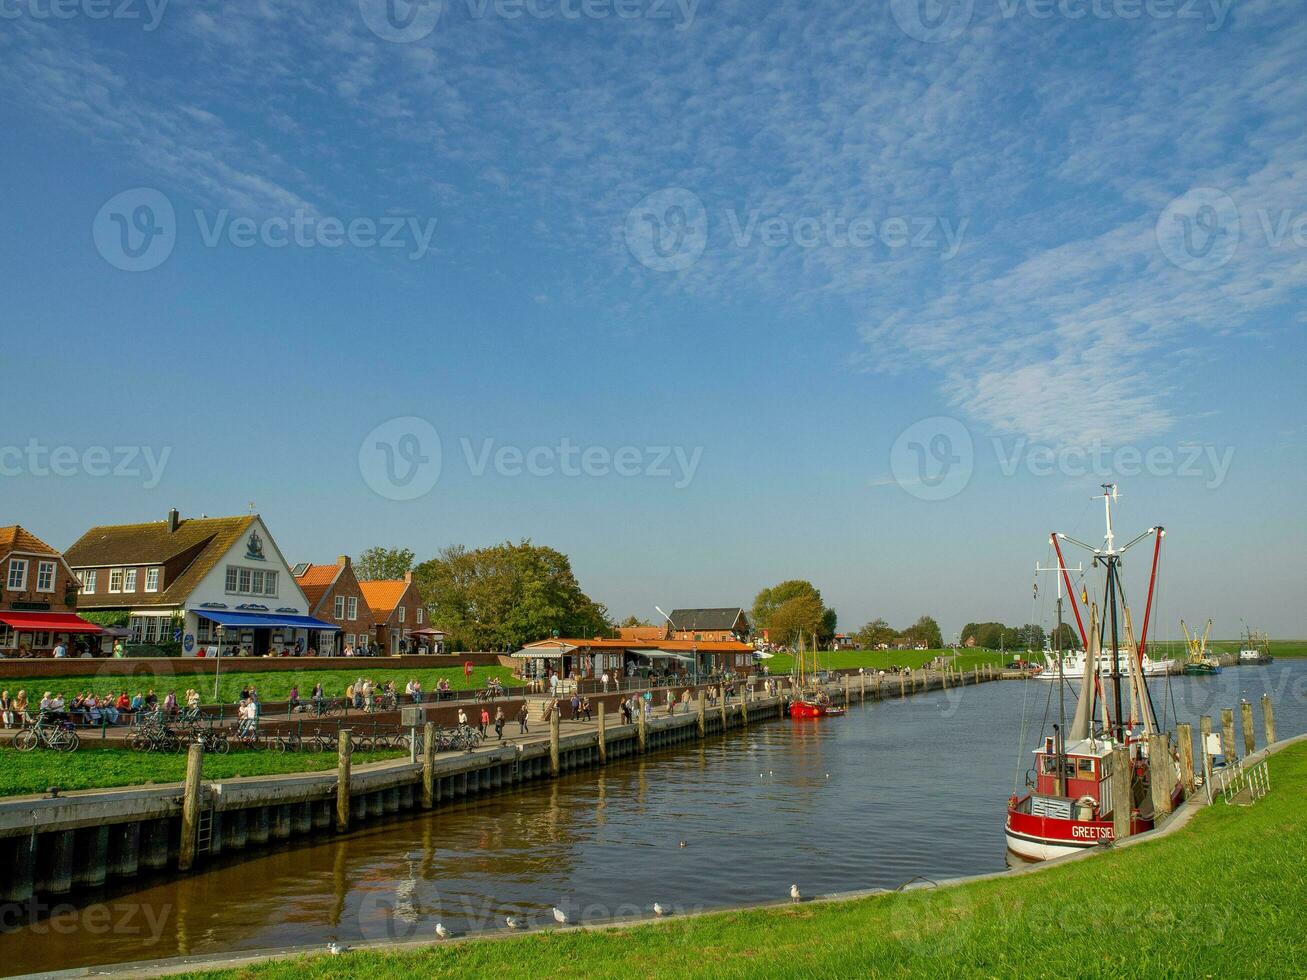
1199,663
1073,665
1069,802
1256,648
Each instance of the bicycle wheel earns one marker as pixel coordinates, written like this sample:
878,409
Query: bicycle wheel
65,741
220,744
138,742
25,740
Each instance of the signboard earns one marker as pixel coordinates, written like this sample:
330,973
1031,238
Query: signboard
467,668
188,642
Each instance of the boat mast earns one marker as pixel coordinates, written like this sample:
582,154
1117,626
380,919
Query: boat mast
1060,737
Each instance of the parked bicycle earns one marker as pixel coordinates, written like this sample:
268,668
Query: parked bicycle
49,734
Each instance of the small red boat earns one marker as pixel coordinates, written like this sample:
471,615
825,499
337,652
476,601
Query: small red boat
817,706
810,701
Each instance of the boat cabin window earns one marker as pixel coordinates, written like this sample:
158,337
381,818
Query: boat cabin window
1086,767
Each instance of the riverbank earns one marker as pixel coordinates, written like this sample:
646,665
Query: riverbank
1217,895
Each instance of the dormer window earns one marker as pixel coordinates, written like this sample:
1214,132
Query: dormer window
129,580
152,580
115,580
17,575
45,576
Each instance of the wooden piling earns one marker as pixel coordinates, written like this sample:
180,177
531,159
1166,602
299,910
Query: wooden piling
1227,736
554,764
721,701
744,706
428,765
1204,731
862,683
703,709
191,807
903,685
1121,799
1268,718
1184,733
847,702
344,753
642,735
603,735
1246,718
1160,773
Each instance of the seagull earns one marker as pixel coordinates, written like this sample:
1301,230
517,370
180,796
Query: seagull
441,931
560,916
794,892
659,910
336,948
683,844
512,922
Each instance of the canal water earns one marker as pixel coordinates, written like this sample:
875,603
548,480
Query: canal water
894,791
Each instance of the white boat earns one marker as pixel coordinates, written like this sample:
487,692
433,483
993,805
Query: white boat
1256,648
1073,665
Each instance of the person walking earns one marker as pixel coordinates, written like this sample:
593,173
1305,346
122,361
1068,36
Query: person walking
499,723
522,714
604,680
7,709
462,718
485,721
576,707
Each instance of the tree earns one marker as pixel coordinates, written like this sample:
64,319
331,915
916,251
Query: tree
769,601
632,621
503,596
795,620
874,634
1065,637
924,632
379,563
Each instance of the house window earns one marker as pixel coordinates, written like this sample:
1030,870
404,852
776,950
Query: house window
256,582
88,581
349,639
150,636
115,580
231,578
45,576
401,614
138,625
353,607
129,580
244,581
420,616
202,630
6,637
41,641
340,607
269,583
18,574
151,580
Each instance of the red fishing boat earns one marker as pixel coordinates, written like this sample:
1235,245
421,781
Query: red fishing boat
809,700
1070,799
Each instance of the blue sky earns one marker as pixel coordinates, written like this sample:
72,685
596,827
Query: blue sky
833,284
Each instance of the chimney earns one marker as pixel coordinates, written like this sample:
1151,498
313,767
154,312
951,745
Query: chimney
343,560
174,520
408,576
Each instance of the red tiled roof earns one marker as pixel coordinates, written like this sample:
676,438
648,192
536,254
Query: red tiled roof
316,580
16,538
383,595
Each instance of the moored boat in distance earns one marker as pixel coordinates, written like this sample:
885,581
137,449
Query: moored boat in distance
1256,648
1199,663
809,700
1074,793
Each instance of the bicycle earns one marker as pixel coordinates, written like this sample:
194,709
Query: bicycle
47,733
322,707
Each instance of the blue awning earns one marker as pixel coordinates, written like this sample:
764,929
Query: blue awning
265,620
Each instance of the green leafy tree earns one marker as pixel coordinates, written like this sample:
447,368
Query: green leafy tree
500,597
379,563
633,621
874,634
769,601
796,619
1065,637
924,632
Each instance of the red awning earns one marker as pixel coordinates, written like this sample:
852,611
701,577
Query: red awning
47,622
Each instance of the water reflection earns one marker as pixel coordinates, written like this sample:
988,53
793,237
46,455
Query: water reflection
893,791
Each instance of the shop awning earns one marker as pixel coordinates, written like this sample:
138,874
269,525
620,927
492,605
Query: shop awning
549,651
48,622
663,655
266,620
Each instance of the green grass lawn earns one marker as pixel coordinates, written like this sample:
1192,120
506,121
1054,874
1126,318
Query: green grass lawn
783,663
1221,897
90,768
273,686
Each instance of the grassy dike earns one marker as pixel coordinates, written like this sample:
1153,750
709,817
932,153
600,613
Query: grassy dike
26,773
1222,896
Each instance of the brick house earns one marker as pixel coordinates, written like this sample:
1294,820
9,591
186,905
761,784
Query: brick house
721,624
398,611
335,596
38,598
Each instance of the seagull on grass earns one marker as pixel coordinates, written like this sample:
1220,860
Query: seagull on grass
441,931
336,949
560,916
659,910
794,892
512,922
